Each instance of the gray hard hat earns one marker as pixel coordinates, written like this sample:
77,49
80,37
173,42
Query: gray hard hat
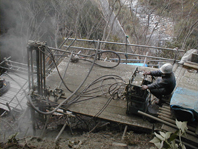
166,68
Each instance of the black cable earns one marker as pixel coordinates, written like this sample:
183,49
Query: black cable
71,95
58,71
100,52
102,78
104,107
91,97
65,72
76,99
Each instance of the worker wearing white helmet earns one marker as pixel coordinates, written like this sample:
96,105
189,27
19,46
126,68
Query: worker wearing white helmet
165,84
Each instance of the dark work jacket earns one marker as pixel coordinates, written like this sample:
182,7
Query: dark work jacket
166,84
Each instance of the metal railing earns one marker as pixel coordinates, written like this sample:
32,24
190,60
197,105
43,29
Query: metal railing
7,64
124,46
175,52
47,58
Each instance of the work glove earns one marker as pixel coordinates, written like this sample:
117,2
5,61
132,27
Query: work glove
144,87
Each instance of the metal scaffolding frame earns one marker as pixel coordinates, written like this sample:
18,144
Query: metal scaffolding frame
37,49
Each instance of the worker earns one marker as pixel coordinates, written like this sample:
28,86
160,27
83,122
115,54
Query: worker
164,84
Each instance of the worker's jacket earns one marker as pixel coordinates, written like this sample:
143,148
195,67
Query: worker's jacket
1,83
166,84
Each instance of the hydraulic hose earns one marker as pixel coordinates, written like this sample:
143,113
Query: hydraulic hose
65,74
58,70
71,95
108,51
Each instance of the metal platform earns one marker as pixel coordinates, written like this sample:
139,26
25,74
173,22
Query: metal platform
14,98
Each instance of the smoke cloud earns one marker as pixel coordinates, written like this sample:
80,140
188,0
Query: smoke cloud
22,20
12,40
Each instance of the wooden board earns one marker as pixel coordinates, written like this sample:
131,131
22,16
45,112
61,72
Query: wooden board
116,109
188,140
191,65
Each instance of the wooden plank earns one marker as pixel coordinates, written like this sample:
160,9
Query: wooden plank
165,109
164,112
171,119
116,110
112,113
165,115
166,119
191,65
190,138
163,121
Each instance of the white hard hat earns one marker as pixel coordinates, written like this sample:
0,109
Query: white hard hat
166,68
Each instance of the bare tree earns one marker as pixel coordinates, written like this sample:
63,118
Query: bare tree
190,31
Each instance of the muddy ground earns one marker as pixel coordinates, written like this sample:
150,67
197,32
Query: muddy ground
96,134
99,140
